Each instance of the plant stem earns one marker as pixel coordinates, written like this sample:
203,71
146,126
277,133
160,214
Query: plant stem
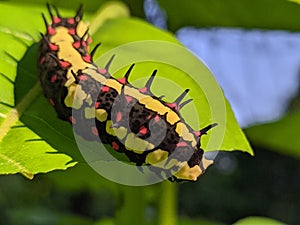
167,214
133,206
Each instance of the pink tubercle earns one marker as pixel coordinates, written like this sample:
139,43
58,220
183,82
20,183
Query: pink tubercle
83,43
172,105
51,102
181,144
143,130
50,30
53,47
56,19
197,133
115,146
102,70
122,80
95,131
143,90
105,89
64,64
128,98
53,78
71,20
97,104
72,119
156,118
76,44
87,58
119,117
72,31
83,77
42,60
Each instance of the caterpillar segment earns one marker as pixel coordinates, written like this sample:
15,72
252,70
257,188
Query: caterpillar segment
133,121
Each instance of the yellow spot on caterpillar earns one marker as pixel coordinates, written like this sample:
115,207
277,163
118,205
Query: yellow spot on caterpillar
109,128
89,112
172,163
101,115
156,156
118,132
159,158
75,96
188,173
182,131
137,144
89,99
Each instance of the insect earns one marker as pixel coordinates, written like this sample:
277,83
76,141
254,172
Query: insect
133,121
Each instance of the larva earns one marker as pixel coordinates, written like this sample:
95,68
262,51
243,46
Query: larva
133,121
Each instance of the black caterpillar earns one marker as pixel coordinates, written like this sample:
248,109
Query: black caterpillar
129,119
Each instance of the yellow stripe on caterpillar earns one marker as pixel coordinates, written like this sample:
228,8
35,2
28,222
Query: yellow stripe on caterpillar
82,27
89,112
136,144
183,131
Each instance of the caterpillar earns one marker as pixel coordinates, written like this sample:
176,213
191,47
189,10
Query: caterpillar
133,121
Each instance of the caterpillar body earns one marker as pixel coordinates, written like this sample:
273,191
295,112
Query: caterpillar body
133,121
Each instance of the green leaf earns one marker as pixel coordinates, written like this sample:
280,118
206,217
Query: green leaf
151,48
281,136
258,221
21,149
43,134
263,14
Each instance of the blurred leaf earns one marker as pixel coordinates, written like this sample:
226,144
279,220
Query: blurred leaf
258,221
136,6
187,221
263,14
110,10
39,215
105,221
80,177
281,135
